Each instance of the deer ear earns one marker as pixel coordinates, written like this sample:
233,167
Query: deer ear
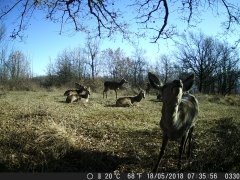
188,83
154,81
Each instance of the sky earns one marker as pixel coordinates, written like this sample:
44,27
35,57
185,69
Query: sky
42,41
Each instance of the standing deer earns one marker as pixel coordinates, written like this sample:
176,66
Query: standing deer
179,112
148,87
113,85
129,101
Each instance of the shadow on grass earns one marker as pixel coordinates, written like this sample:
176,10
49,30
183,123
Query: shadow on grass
217,151
141,144
155,100
220,153
78,161
110,105
88,161
224,154
62,101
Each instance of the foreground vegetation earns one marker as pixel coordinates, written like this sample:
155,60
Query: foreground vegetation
42,133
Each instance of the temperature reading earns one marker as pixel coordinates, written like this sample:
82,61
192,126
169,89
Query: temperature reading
109,176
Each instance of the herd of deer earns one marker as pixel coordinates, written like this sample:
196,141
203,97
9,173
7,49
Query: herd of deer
179,109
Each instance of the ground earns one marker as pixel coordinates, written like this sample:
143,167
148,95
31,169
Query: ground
42,133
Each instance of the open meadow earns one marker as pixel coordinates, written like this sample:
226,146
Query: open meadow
39,132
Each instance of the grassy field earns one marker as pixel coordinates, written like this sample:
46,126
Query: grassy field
39,132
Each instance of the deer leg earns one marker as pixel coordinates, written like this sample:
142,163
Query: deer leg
116,93
181,148
185,142
189,142
161,153
105,92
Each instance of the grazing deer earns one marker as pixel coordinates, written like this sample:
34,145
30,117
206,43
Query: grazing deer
129,101
78,97
80,89
179,111
113,85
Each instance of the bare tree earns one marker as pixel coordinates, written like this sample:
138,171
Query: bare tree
227,75
139,65
3,54
117,64
64,68
92,50
108,57
165,67
69,66
215,63
198,53
18,66
107,17
78,60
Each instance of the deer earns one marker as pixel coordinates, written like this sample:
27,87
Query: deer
129,101
113,85
179,112
79,89
149,87
78,97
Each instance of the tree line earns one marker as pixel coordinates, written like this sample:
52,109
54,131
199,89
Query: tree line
214,63
15,69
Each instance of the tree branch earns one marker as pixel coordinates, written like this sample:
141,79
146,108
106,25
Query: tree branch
10,9
165,21
231,17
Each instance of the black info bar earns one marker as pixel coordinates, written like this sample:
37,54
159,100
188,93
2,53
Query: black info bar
122,176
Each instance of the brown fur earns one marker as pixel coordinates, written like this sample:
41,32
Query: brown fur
112,85
78,97
79,89
129,101
179,112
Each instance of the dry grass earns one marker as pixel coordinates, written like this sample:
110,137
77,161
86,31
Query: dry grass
42,133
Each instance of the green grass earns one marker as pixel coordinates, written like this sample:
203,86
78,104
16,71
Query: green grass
42,133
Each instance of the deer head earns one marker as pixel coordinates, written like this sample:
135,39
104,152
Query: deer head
171,92
179,113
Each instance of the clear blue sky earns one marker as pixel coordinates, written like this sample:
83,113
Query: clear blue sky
43,42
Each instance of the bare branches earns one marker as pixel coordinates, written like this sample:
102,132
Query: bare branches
100,23
152,12
10,9
149,14
152,19
105,19
230,11
165,20
190,7
23,13
70,14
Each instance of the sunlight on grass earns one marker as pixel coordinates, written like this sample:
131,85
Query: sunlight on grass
40,132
